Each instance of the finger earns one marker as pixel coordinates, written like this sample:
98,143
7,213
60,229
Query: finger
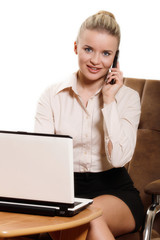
115,73
112,74
116,76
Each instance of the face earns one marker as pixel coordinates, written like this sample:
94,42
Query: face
96,51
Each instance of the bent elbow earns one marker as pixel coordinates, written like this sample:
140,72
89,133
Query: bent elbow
117,164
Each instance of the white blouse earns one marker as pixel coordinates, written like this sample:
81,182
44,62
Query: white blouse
61,111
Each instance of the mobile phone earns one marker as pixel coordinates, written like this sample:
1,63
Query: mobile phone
115,65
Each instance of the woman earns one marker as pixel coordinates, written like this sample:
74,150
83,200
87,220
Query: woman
102,118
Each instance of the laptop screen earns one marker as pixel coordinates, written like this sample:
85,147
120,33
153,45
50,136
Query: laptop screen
36,167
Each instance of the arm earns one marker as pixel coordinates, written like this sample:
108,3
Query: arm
120,119
44,119
120,129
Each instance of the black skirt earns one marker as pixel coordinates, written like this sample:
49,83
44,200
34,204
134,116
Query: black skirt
116,182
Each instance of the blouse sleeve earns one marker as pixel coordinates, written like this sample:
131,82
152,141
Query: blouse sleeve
44,119
120,127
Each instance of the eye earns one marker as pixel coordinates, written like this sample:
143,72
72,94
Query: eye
106,53
88,49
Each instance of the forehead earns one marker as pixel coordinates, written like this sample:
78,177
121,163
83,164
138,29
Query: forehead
98,39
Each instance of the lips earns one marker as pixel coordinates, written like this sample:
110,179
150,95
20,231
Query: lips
93,69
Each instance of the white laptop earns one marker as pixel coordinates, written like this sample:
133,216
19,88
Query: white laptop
36,174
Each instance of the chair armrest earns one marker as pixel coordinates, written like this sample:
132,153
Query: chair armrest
153,188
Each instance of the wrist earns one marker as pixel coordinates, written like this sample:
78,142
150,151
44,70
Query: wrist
108,100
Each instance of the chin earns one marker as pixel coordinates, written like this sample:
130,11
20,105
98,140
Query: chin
95,77
92,76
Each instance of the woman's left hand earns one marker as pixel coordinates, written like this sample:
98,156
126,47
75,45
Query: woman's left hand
109,91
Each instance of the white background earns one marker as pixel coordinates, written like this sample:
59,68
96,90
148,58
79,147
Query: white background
36,48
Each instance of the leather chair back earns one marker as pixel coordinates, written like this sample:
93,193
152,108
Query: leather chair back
145,164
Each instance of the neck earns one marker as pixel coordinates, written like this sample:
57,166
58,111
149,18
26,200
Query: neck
89,85
87,88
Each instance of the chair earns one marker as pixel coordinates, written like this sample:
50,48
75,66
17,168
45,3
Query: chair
144,168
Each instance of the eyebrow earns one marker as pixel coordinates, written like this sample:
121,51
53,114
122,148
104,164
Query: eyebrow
110,51
88,46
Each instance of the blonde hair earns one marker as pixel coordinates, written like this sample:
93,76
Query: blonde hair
102,20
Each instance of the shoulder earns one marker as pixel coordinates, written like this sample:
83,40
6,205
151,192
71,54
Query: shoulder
54,89
128,99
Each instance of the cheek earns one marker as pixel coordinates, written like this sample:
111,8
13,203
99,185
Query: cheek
83,58
107,63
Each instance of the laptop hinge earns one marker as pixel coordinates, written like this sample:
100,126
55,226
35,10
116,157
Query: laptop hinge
64,207
62,210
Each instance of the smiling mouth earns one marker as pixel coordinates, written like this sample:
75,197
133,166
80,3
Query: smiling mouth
93,69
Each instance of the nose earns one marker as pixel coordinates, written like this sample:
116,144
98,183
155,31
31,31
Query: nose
95,59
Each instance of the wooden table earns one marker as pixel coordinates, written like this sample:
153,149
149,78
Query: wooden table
70,228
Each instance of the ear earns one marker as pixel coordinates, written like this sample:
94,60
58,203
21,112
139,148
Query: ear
75,47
